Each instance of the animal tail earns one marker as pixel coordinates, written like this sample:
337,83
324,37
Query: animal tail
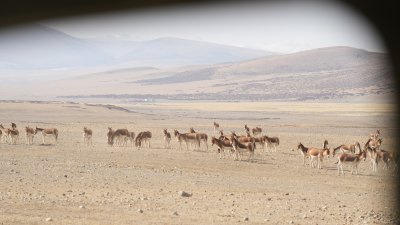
277,141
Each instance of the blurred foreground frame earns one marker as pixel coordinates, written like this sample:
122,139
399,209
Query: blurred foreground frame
383,15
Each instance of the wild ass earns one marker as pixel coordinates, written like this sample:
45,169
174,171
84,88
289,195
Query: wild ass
130,137
143,138
247,146
167,139
203,137
47,131
188,138
13,134
349,148
352,159
222,145
314,153
5,132
270,142
373,143
216,127
87,136
30,133
119,136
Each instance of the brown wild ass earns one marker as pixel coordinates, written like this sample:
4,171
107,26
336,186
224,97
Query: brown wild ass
239,146
216,127
87,136
47,131
256,131
352,159
375,136
270,142
349,148
315,154
5,134
13,134
203,137
167,139
130,137
222,145
373,143
30,133
142,138
119,137
188,138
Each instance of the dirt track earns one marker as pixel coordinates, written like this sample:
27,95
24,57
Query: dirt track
69,183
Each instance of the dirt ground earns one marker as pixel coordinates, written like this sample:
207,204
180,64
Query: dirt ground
69,183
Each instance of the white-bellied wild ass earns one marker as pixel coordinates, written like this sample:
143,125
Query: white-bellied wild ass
377,155
373,143
30,133
119,136
143,138
246,146
47,131
130,137
315,154
5,132
375,136
256,131
352,148
203,137
216,127
270,143
167,139
351,159
87,136
13,134
188,138
222,145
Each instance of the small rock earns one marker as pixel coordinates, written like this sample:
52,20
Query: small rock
266,220
269,199
65,175
291,222
287,194
184,194
49,219
246,219
81,207
140,211
175,213
304,216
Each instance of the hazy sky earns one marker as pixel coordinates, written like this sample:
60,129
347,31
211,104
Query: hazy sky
288,26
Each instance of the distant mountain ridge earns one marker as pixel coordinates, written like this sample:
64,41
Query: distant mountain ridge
40,47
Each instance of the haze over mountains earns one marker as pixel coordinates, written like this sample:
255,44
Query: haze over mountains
178,69
41,47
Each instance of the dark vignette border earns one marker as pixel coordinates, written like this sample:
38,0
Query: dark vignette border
384,15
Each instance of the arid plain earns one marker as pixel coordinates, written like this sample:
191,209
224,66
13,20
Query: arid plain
69,183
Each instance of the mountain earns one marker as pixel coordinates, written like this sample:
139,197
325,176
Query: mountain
39,47
178,52
326,73
36,46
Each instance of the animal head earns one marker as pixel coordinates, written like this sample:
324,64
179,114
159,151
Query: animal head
165,131
327,152
192,130
176,133
300,146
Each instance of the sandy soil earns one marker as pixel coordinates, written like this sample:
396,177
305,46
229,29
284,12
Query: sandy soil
68,183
